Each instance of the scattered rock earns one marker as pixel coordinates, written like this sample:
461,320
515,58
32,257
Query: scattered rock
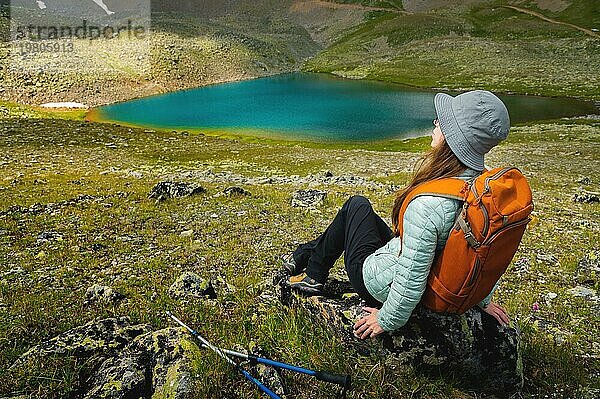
584,180
191,284
15,271
586,197
95,247
588,270
522,265
583,292
308,198
542,324
268,375
51,207
104,337
119,378
549,328
186,233
322,178
265,180
271,378
47,236
101,293
155,364
474,348
235,191
550,296
546,258
169,189
591,262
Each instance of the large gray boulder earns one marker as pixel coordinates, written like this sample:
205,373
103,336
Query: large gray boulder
103,294
156,365
472,349
190,284
310,198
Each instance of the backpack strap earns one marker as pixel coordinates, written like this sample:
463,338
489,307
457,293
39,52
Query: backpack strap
449,187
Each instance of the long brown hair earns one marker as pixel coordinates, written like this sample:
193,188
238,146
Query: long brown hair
436,163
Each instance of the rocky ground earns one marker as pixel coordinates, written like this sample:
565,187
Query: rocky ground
81,239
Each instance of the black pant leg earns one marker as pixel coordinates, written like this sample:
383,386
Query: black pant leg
327,248
303,251
357,230
366,232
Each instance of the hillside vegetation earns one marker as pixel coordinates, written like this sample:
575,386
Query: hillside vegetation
440,44
486,44
185,51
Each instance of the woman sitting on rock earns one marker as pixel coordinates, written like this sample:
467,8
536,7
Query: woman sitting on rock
391,281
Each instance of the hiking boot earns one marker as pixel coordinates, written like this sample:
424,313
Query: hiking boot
305,284
290,266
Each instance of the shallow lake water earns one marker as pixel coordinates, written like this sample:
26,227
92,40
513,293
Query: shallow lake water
312,106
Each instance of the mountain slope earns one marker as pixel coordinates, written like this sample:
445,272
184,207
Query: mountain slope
430,43
486,44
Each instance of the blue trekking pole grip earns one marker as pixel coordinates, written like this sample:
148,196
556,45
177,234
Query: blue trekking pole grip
342,380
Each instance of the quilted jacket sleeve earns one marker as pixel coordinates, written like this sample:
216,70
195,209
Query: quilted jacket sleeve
423,220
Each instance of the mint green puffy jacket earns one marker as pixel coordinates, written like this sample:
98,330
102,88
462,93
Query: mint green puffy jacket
398,280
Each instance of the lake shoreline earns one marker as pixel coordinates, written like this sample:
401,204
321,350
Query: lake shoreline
313,107
123,90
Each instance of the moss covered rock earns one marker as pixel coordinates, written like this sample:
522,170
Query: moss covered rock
126,361
472,349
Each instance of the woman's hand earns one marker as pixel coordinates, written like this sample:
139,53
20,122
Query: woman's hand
368,327
498,312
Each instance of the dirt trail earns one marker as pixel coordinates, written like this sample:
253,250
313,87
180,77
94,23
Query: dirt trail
545,18
309,5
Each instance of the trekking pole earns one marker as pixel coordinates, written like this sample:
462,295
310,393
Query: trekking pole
341,380
221,353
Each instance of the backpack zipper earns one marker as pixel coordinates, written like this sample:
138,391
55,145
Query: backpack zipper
486,220
508,226
486,217
495,176
475,272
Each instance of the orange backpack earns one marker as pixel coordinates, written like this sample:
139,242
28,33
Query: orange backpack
484,239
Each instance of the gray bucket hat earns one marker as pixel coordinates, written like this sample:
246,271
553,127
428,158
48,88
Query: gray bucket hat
472,123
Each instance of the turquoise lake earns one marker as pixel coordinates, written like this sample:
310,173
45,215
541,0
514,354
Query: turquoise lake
312,106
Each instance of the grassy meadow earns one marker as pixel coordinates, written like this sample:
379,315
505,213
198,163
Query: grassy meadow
74,206
118,237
